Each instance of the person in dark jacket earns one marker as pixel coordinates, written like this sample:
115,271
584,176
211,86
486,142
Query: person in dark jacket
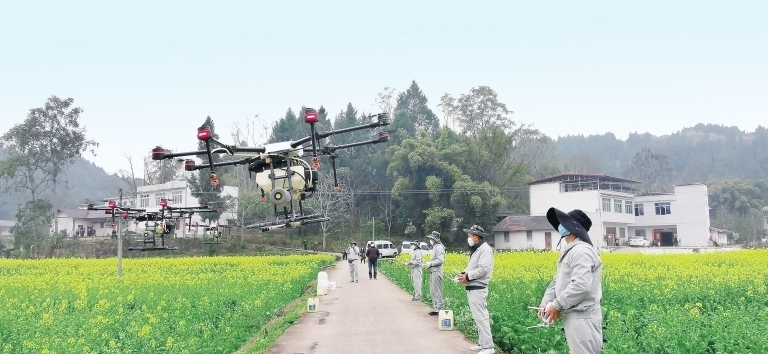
373,255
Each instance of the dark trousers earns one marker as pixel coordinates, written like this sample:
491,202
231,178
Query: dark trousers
372,268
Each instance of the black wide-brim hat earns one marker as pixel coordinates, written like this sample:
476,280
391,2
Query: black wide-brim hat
575,221
476,230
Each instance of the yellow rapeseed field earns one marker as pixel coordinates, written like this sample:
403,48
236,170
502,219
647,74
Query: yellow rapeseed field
683,303
180,305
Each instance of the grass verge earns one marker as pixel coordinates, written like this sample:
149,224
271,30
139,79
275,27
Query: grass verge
267,335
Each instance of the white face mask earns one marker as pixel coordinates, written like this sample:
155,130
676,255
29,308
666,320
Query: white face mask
432,242
413,247
470,241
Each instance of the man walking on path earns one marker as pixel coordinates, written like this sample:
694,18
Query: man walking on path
435,268
577,288
415,265
476,276
373,255
352,253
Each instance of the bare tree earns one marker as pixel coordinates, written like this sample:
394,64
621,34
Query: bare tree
128,176
385,203
333,204
385,100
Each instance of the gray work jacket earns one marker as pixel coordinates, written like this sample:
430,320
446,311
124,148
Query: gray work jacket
353,253
480,267
416,259
577,286
437,258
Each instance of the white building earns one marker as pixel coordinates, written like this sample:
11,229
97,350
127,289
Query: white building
682,215
524,232
607,200
615,212
6,226
179,194
82,222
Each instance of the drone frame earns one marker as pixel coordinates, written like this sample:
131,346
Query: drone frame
276,156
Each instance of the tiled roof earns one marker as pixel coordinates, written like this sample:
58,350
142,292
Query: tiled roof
523,223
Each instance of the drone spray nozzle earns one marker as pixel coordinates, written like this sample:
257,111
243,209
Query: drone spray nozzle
157,153
204,133
189,165
383,137
310,116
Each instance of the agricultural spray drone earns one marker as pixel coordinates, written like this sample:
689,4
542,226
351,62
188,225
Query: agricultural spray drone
156,224
283,176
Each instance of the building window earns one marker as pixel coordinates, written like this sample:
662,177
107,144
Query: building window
640,233
628,207
143,200
663,208
622,233
606,204
529,236
617,205
176,197
639,209
159,196
506,236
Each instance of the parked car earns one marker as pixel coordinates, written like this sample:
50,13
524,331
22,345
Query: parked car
386,248
638,241
406,247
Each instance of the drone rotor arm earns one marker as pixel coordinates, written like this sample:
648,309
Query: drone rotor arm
381,122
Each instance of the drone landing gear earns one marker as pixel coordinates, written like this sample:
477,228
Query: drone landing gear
213,241
150,244
292,222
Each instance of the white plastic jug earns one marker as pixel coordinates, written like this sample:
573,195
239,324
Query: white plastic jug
322,276
445,320
313,304
322,287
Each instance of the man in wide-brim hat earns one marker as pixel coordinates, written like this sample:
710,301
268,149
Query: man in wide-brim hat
476,277
576,290
435,268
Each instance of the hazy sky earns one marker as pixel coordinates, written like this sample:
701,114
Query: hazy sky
148,72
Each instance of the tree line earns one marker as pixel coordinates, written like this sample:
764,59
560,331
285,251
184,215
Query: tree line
434,174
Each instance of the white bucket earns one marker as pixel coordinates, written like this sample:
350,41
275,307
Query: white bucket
445,320
322,276
322,287
313,304
331,285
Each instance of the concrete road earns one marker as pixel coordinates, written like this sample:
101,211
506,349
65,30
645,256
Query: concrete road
368,317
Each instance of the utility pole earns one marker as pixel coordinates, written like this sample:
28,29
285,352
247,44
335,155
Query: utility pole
373,229
120,239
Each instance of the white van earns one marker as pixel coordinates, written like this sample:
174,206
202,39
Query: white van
406,247
386,248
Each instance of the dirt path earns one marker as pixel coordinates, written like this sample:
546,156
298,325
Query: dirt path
369,317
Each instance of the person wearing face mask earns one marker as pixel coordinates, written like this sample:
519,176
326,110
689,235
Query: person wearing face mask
576,290
435,268
415,265
476,277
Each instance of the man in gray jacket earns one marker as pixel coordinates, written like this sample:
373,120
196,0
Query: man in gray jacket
353,252
435,268
577,288
476,277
